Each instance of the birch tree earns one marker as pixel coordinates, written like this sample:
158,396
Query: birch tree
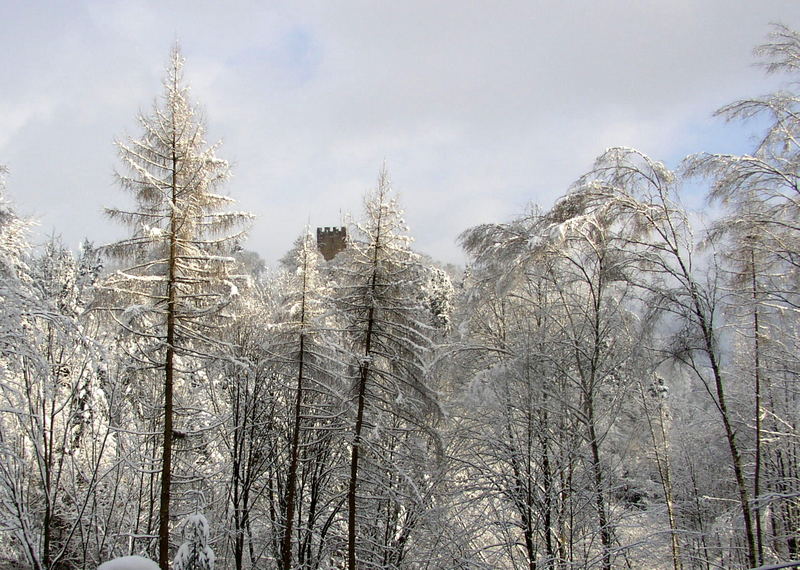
760,234
53,440
563,333
642,193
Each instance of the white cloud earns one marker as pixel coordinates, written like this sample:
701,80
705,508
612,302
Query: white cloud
15,116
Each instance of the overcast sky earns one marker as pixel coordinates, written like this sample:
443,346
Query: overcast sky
478,108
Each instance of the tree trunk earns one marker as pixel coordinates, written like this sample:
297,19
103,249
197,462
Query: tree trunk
364,368
169,370
664,471
736,459
286,548
600,502
351,492
757,388
589,388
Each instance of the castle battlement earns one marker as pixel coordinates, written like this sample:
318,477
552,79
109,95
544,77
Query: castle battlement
331,240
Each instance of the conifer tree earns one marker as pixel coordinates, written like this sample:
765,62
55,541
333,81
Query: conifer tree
195,553
307,362
380,293
177,275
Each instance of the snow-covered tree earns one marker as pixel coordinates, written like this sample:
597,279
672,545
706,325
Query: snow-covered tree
760,236
176,277
379,294
558,321
195,553
284,399
53,437
303,349
245,396
439,295
642,194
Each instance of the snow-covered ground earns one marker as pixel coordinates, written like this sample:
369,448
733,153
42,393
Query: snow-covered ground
129,563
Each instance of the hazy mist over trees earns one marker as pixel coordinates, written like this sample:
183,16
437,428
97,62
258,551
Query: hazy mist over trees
610,382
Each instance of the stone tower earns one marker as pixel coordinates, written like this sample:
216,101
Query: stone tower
331,241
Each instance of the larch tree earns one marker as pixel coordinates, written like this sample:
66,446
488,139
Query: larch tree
380,296
178,269
308,362
284,408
